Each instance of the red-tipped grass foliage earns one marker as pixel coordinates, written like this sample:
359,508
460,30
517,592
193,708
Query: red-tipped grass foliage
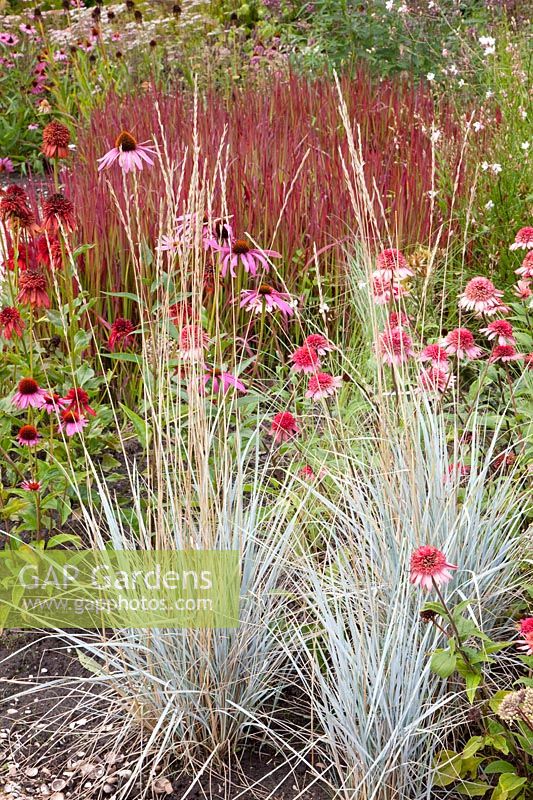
269,132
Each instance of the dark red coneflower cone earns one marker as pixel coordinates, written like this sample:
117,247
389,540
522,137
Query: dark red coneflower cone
121,334
32,289
58,214
56,139
14,209
10,322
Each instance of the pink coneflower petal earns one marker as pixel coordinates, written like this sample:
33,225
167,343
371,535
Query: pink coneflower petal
526,270
523,239
129,153
283,427
29,394
322,385
460,342
504,353
395,346
391,265
267,298
480,296
436,354
435,380
501,330
305,359
319,343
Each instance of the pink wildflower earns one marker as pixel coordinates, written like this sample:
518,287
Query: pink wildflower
481,296
319,343
268,298
29,394
392,266
460,342
384,291
222,380
435,379
501,330
395,346
322,385
504,353
283,427
193,342
28,436
526,270
129,153
523,239
305,359
429,567
436,354
72,421
239,250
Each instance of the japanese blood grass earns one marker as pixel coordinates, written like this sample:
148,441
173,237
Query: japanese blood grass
362,651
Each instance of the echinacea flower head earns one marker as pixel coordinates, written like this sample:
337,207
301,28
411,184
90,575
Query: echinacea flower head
29,394
525,625
31,486
523,239
504,353
398,319
129,153
383,291
193,341
6,165
436,354
460,342
238,250
322,385
391,265
9,39
121,335
56,139
503,461
58,214
283,427
71,421
48,252
28,436
78,399
481,297
32,289
523,289
435,380
305,359
429,567
526,270
501,330
395,346
15,210
528,361
221,380
11,323
458,470
267,298
319,343
23,258
53,403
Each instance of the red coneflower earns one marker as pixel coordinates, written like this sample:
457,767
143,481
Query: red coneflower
31,486
32,289
56,139
319,343
525,626
460,342
435,379
24,257
58,214
28,436
392,266
398,319
383,291
395,346
121,334
14,209
29,394
429,567
53,403
193,342
503,461
283,427
79,400
305,359
48,251
11,322
71,421
436,354
504,353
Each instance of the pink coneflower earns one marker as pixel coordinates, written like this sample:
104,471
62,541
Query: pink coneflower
526,631
392,266
193,342
322,385
9,39
395,346
523,239
283,427
385,291
526,270
6,165
28,436
435,379
58,214
239,250
268,298
129,153
305,359
31,486
319,343
460,342
53,403
56,139
501,330
436,354
71,421
121,335
222,380
11,323
29,394
78,399
29,30
504,353
523,289
32,289
398,319
429,567
481,296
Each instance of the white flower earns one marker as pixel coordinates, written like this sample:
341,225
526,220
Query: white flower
323,308
525,146
432,194
489,51
453,69
478,126
487,41
435,135
389,5
485,166
403,9
489,93
489,205
496,168
430,76
361,284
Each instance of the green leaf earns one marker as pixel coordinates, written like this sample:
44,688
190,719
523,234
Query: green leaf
474,744
473,788
443,663
498,766
472,681
141,429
